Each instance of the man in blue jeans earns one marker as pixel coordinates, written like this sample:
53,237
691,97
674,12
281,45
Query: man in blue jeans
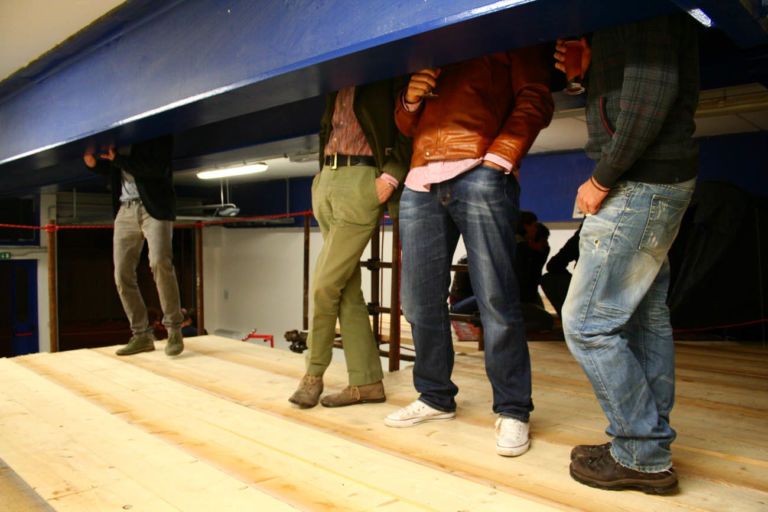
643,92
468,142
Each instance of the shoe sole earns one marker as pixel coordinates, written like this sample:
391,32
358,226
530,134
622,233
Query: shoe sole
626,484
147,349
302,405
513,451
415,421
365,401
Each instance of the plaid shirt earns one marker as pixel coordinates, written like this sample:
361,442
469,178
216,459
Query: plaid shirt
643,89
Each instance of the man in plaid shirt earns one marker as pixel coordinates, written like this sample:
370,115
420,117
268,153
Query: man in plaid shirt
643,83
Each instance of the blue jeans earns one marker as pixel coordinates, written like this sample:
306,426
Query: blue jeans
616,321
482,205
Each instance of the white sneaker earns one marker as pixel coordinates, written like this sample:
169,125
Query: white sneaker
511,437
416,412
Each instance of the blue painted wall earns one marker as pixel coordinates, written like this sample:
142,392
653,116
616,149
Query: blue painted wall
741,159
549,182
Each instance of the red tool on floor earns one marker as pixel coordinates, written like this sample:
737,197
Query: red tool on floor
265,337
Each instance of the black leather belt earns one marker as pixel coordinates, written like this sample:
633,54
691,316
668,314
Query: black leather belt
337,160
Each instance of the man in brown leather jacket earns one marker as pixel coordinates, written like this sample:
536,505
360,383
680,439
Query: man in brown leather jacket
472,123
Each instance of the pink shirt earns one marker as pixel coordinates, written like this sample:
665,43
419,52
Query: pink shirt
420,178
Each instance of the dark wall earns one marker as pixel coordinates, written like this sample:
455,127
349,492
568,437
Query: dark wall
90,312
719,262
5,312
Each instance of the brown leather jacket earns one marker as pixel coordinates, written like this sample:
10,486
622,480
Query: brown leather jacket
492,104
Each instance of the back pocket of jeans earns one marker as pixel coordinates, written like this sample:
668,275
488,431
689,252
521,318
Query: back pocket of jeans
663,223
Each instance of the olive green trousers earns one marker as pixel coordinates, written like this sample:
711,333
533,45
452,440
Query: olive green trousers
347,209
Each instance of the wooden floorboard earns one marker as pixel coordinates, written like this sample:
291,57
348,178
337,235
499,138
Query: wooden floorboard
212,430
16,495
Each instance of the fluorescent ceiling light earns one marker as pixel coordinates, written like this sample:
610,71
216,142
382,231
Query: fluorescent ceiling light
232,171
701,17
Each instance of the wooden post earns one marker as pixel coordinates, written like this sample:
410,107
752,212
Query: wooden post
375,282
760,279
394,313
305,310
53,300
199,278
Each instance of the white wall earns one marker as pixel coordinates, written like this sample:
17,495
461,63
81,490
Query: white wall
254,277
40,254
47,212
557,238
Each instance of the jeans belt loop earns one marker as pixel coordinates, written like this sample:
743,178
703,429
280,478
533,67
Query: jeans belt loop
335,164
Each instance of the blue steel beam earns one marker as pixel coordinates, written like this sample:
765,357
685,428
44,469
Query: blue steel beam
196,58
242,72
186,58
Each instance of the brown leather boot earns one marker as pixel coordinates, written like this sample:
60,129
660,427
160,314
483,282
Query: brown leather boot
604,472
589,450
350,395
308,392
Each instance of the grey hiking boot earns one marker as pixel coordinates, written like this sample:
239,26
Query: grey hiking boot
175,344
138,343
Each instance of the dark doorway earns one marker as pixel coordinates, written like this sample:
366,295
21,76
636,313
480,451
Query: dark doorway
18,308
90,312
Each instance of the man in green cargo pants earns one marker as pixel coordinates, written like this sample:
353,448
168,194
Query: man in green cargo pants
363,161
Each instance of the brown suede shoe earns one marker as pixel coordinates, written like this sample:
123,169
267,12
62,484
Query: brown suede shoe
350,395
589,450
604,472
308,392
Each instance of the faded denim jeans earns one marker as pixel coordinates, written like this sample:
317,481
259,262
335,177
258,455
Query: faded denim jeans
132,225
482,205
616,321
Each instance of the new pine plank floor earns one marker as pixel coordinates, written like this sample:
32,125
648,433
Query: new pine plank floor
212,430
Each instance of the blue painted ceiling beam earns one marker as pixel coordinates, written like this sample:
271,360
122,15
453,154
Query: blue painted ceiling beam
744,21
193,63
227,74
